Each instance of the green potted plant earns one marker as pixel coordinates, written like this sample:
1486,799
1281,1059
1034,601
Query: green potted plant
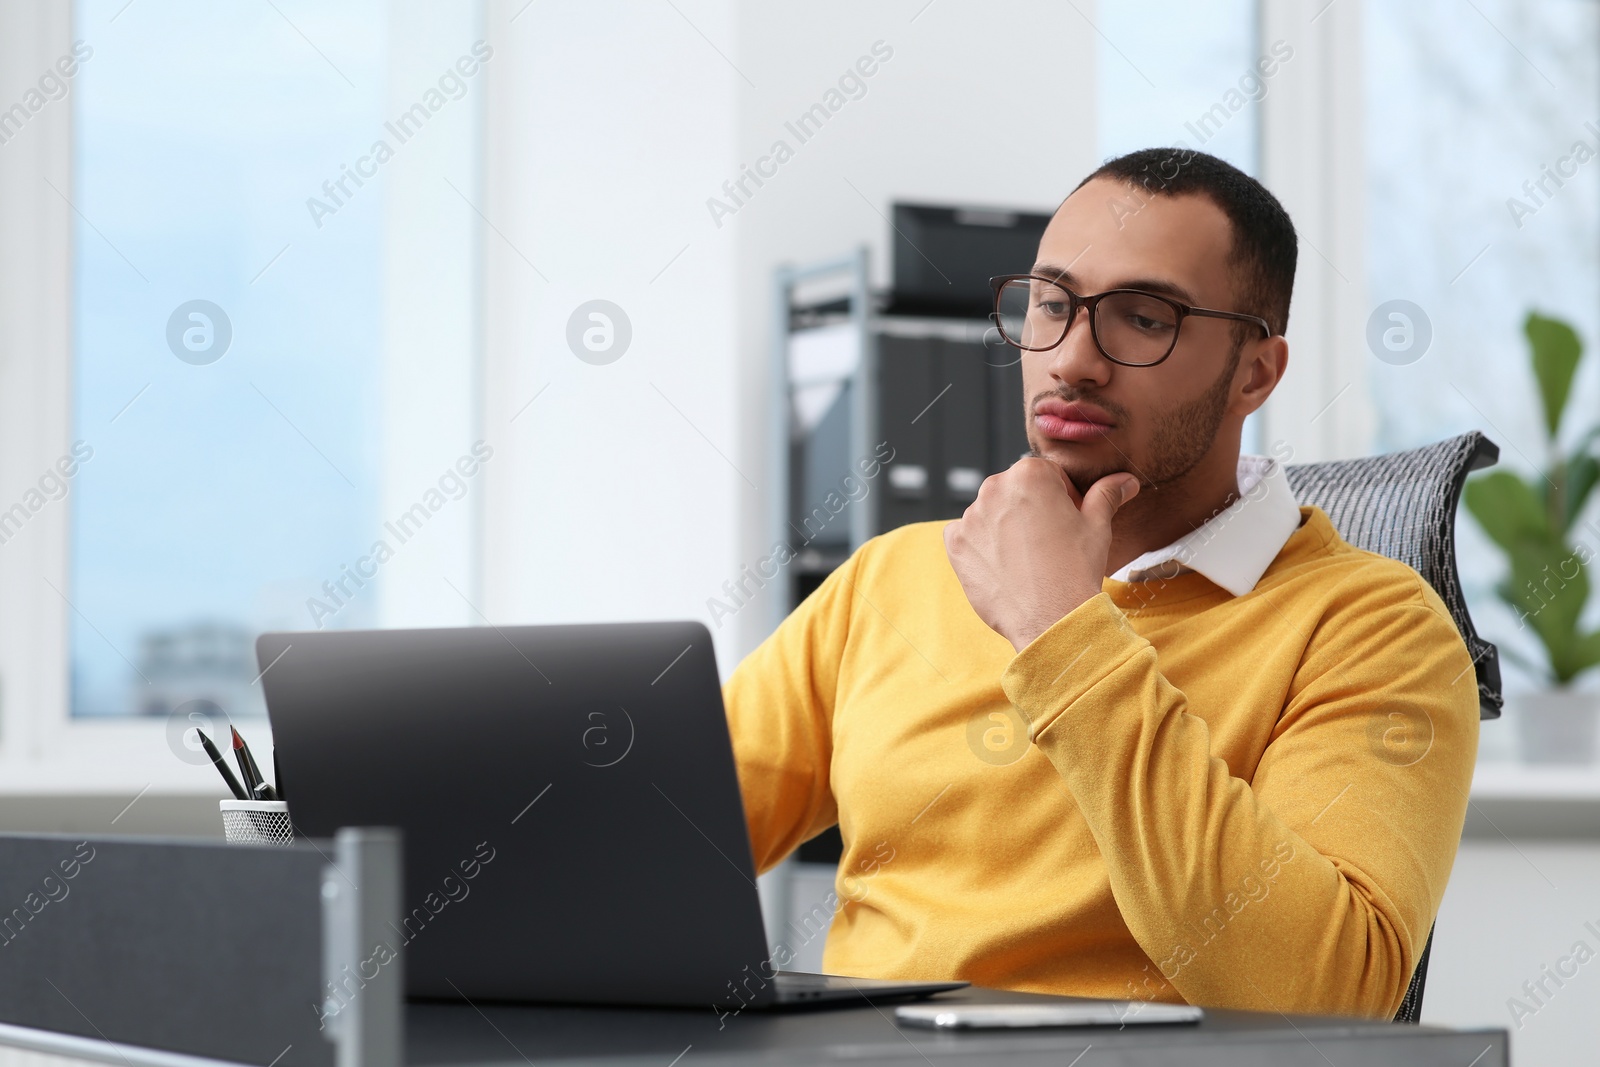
1547,583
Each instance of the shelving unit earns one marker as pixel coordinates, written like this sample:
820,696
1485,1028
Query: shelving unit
853,376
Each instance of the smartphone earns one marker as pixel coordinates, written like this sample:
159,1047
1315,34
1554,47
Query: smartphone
1016,1016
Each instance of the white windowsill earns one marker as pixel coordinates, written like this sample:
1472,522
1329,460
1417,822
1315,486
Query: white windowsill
1536,781
1522,801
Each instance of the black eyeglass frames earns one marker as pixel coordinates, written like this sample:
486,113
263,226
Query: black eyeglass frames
1131,327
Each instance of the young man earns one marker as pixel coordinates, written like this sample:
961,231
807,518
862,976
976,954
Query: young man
1136,725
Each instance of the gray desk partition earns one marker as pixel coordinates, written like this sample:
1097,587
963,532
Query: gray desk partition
145,947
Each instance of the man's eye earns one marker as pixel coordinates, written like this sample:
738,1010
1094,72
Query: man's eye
1055,308
1148,325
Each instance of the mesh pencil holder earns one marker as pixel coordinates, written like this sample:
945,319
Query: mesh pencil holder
256,822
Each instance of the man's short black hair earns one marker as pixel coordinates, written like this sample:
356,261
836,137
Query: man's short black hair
1264,244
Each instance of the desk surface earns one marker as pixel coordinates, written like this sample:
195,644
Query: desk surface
445,1035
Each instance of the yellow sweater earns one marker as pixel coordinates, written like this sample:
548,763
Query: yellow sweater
1248,802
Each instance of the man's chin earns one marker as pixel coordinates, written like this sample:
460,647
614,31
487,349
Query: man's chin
1082,471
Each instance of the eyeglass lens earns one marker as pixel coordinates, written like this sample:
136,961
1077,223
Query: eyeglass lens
1131,327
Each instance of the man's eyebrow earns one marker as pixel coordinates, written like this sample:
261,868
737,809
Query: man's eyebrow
1158,285
1050,270
1152,285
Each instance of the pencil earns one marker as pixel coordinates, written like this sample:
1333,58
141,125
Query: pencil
247,766
222,767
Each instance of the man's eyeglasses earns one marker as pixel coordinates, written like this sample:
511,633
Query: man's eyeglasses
1129,326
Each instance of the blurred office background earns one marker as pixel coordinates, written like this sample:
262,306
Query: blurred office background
275,276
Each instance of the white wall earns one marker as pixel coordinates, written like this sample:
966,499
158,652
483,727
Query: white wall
634,490
612,495
1510,910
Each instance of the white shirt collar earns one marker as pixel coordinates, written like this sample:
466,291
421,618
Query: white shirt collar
1234,547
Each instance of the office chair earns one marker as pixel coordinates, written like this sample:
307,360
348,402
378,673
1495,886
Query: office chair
1403,505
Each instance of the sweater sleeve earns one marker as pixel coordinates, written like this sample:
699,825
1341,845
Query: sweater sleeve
1313,886
779,703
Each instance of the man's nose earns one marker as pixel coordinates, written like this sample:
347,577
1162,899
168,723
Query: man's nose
1077,358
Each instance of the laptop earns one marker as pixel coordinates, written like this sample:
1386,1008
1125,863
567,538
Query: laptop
573,826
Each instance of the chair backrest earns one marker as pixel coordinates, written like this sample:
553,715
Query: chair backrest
1403,505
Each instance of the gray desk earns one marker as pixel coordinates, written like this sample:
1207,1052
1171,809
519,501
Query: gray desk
150,953
447,1035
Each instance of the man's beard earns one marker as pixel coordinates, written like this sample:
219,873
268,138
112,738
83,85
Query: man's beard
1181,439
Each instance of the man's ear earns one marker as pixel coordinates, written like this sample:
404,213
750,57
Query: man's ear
1261,366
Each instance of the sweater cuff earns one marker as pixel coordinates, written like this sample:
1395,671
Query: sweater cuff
1070,658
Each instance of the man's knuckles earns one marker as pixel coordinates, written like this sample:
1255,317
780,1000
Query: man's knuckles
1025,476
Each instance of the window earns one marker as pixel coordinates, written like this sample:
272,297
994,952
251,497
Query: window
262,195
1466,109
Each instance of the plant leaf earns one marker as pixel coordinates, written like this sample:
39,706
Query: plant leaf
1548,587
1556,350
1586,652
1538,670
1583,470
1508,508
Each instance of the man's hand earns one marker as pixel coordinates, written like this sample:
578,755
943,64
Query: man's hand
1029,549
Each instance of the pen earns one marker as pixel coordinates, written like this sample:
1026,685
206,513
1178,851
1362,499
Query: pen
222,767
247,766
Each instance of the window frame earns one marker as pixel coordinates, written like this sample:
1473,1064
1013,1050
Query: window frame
43,748
1313,157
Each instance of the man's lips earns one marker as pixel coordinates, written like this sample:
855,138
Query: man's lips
1071,422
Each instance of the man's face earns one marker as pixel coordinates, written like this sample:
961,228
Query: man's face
1154,422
